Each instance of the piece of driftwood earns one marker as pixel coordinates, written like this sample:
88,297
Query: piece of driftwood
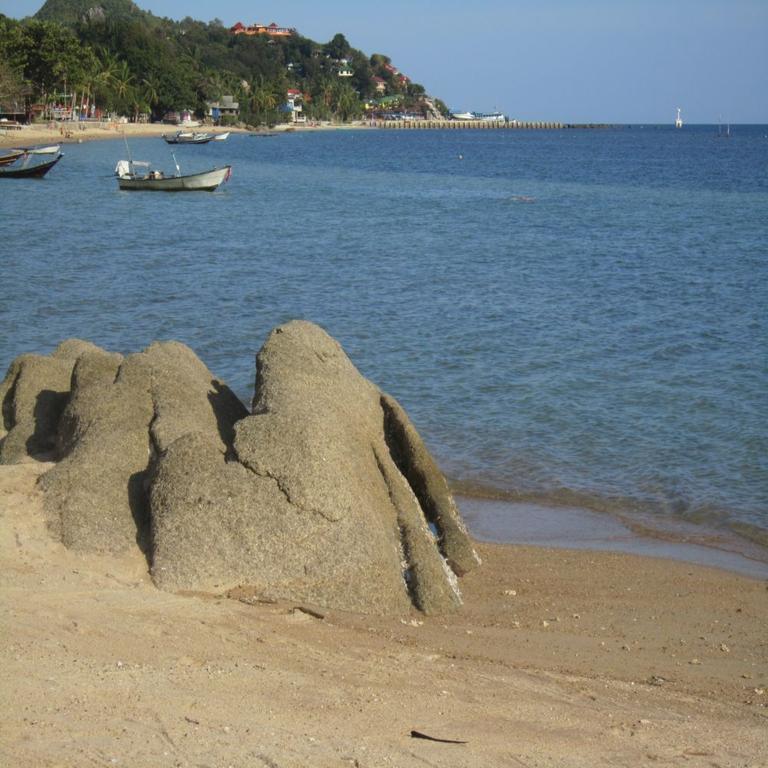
420,735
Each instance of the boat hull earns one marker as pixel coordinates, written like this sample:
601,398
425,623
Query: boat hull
29,171
189,138
207,181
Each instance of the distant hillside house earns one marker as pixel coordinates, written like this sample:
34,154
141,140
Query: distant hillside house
294,105
226,107
380,84
345,71
262,29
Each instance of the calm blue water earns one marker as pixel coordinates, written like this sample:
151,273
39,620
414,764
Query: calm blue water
573,315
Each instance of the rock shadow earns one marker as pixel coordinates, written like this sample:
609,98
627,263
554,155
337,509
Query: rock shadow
228,410
42,443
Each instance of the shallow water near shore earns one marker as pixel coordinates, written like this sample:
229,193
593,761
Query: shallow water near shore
569,317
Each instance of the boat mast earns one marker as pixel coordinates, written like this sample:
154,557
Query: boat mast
128,150
678,119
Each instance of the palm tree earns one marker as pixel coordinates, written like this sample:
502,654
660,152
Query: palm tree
123,79
150,91
262,98
106,67
214,85
347,103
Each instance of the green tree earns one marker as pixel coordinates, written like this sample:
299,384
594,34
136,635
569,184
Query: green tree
338,47
346,103
14,91
123,80
150,91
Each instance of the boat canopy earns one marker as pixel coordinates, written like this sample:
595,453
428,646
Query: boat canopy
125,167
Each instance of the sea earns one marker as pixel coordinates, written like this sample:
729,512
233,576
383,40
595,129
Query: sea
575,320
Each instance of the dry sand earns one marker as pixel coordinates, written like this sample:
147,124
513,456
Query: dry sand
68,133
558,658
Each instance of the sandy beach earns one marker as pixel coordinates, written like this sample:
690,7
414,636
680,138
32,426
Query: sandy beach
557,658
68,133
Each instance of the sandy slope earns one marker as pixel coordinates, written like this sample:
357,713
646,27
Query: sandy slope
557,659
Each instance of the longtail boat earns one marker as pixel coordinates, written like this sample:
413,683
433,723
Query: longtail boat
25,170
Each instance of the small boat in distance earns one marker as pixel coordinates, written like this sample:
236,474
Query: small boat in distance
485,117
723,134
221,136
189,137
23,169
678,119
136,175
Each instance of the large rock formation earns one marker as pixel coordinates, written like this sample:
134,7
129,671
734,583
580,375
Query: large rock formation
33,395
325,493
122,413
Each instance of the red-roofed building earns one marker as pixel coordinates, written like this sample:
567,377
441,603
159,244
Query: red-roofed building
261,29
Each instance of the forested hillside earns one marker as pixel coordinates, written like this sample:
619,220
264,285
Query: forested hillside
115,58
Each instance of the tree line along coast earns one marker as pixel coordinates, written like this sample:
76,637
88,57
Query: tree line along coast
83,60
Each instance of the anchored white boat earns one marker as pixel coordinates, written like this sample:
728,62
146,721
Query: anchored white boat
492,117
137,175
486,117
189,137
678,119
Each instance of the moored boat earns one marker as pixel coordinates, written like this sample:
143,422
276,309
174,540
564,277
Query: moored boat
485,117
135,175
12,156
23,169
51,149
491,117
221,136
189,137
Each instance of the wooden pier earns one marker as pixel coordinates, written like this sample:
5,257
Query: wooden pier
488,125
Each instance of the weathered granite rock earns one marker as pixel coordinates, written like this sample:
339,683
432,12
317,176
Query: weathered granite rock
324,493
33,395
122,411
188,398
428,483
317,508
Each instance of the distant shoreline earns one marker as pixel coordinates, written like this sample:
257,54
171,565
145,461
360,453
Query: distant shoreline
76,133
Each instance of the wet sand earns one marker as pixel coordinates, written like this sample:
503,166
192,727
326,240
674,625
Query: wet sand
567,527
559,657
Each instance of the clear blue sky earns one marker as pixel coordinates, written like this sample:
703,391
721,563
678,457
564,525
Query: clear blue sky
572,60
